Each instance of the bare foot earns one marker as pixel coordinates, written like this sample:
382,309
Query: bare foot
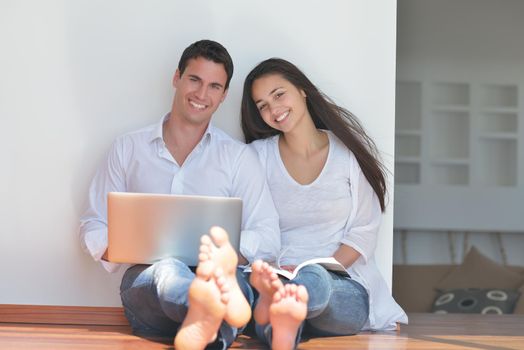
286,313
266,282
216,247
208,298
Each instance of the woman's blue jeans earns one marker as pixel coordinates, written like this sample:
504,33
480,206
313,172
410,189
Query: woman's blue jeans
155,299
337,305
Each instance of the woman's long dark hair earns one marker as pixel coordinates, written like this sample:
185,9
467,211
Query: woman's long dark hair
326,115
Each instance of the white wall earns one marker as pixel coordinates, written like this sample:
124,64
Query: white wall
470,40
467,34
465,39
75,74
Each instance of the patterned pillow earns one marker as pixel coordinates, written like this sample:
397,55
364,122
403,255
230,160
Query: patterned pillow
478,271
475,301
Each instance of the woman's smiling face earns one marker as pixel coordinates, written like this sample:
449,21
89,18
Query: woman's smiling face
281,105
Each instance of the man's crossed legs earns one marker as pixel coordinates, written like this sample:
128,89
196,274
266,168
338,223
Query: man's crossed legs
168,299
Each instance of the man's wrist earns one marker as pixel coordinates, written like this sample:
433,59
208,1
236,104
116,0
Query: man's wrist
242,260
104,256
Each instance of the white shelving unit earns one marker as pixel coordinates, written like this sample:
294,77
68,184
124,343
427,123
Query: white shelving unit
408,132
459,150
449,122
499,123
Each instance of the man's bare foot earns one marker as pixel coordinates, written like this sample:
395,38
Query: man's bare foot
208,298
216,247
266,282
286,313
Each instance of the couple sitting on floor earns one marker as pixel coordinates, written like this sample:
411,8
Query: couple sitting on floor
308,160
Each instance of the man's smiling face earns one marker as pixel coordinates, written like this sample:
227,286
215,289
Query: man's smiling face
199,90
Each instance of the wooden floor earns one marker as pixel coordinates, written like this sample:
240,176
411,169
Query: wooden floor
102,329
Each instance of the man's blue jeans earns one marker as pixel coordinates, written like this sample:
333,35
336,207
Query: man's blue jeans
155,299
337,305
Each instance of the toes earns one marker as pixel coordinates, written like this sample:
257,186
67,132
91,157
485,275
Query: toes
221,280
224,297
302,294
203,257
279,295
276,283
205,269
204,248
291,289
219,235
222,284
257,266
219,272
206,240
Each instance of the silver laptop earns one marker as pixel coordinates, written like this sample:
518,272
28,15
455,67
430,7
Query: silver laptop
144,228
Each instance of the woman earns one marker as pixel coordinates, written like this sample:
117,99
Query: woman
329,189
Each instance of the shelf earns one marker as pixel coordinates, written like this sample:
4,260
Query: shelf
460,154
451,161
409,111
407,145
499,162
498,122
450,108
499,135
408,133
450,174
458,134
407,160
500,110
459,208
451,94
450,137
407,173
499,96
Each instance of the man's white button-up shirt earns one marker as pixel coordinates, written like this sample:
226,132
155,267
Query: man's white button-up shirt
218,166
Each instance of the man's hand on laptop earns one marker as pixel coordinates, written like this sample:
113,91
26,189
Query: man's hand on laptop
242,260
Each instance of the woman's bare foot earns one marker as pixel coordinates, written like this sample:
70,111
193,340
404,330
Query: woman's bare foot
208,298
216,247
286,313
266,282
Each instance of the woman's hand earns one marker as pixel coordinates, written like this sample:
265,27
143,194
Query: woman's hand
289,268
346,255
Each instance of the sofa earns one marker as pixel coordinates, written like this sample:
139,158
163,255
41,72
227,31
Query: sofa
427,288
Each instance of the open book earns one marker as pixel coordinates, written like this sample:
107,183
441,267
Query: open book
330,264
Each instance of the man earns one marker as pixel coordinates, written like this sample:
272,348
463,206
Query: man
185,154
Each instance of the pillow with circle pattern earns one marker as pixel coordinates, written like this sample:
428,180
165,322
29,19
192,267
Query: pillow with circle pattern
475,301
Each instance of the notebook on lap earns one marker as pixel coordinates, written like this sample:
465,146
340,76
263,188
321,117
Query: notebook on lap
144,228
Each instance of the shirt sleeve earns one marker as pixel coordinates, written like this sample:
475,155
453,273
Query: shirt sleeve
260,237
361,230
110,177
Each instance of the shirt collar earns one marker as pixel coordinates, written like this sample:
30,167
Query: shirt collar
157,132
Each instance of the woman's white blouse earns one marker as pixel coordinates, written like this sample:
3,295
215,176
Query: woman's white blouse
338,207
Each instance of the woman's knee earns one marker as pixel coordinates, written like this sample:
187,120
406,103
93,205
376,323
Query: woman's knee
347,312
317,281
313,275
322,326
